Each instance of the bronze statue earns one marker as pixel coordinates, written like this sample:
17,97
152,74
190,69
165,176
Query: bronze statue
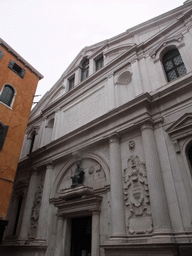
77,178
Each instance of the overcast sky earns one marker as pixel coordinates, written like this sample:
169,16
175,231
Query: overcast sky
50,33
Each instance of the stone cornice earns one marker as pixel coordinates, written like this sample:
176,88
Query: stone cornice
77,201
159,19
181,128
54,150
165,31
174,88
119,48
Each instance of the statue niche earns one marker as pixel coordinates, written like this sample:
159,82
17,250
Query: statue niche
77,178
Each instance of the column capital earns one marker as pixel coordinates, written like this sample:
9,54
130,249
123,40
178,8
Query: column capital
60,217
115,137
96,212
57,110
33,171
77,154
110,75
146,125
50,165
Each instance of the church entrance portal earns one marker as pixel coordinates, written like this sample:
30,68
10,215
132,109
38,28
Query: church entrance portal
81,236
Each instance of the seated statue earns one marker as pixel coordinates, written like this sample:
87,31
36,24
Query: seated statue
77,178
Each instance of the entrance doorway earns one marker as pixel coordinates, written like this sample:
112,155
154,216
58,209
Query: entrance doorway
81,236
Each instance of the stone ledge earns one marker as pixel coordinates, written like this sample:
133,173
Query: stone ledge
39,244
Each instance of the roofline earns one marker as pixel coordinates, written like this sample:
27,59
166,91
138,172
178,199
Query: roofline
141,26
128,33
26,64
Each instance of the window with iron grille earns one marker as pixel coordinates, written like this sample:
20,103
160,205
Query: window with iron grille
173,65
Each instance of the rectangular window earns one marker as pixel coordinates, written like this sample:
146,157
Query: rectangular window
99,63
71,82
16,68
85,69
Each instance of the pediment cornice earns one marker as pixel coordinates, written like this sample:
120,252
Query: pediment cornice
181,128
118,48
174,39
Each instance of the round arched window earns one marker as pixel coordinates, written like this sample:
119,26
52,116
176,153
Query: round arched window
7,95
173,64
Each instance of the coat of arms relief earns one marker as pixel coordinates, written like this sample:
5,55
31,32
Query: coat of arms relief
136,194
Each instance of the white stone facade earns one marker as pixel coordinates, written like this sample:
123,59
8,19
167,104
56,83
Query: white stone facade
128,126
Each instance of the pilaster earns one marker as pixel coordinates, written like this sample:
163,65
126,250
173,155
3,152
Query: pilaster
59,248
117,197
44,210
56,124
110,92
91,67
95,233
28,206
137,77
160,213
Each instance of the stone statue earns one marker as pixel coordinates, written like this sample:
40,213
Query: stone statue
77,178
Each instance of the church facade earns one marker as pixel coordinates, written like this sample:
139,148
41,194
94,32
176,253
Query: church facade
106,163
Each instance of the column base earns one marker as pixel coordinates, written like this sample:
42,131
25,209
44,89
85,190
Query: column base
122,238
163,236
148,249
28,243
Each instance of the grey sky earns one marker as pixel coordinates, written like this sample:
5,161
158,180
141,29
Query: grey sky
50,33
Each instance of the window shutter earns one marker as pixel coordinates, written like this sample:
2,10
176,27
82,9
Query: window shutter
11,63
1,54
22,73
3,133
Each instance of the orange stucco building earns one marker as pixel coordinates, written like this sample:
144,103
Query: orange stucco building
18,83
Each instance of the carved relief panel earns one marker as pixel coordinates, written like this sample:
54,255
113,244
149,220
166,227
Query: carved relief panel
136,194
94,175
36,209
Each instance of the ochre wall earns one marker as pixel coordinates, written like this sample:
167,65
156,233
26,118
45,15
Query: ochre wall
16,117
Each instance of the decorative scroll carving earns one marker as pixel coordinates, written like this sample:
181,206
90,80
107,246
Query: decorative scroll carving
35,211
137,197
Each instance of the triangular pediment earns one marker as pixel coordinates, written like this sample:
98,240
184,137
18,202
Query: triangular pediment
85,52
182,127
59,92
